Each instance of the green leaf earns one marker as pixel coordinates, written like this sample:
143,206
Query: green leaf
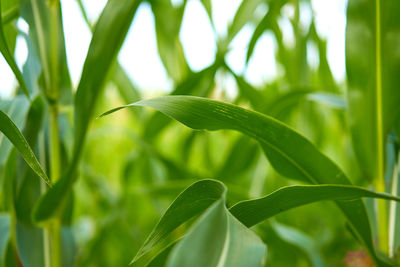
5,51
197,83
266,23
209,235
168,20
108,35
191,202
291,154
218,239
10,130
372,65
16,109
243,15
252,212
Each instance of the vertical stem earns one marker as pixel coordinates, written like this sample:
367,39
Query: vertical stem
380,186
55,227
55,231
46,236
54,144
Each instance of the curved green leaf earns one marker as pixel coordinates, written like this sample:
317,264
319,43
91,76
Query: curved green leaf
291,154
10,130
191,202
16,109
5,51
252,212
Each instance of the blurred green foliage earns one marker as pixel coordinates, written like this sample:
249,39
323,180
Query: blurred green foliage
114,177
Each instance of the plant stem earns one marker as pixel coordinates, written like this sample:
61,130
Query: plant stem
46,236
382,219
55,227
382,204
55,232
54,144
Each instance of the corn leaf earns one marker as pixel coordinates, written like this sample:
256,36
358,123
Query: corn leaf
252,212
218,239
191,202
290,154
10,130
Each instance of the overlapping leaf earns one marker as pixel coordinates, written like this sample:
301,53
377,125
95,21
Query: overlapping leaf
291,154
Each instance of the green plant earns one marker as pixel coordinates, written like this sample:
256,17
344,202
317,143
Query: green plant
93,209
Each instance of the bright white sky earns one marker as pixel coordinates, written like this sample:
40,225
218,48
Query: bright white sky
139,53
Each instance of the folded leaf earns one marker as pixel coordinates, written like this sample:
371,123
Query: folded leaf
218,239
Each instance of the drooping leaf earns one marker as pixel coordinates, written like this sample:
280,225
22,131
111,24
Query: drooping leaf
10,130
5,51
218,239
15,109
252,212
290,154
197,83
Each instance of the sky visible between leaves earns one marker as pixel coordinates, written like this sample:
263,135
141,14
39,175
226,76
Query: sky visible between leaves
139,53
